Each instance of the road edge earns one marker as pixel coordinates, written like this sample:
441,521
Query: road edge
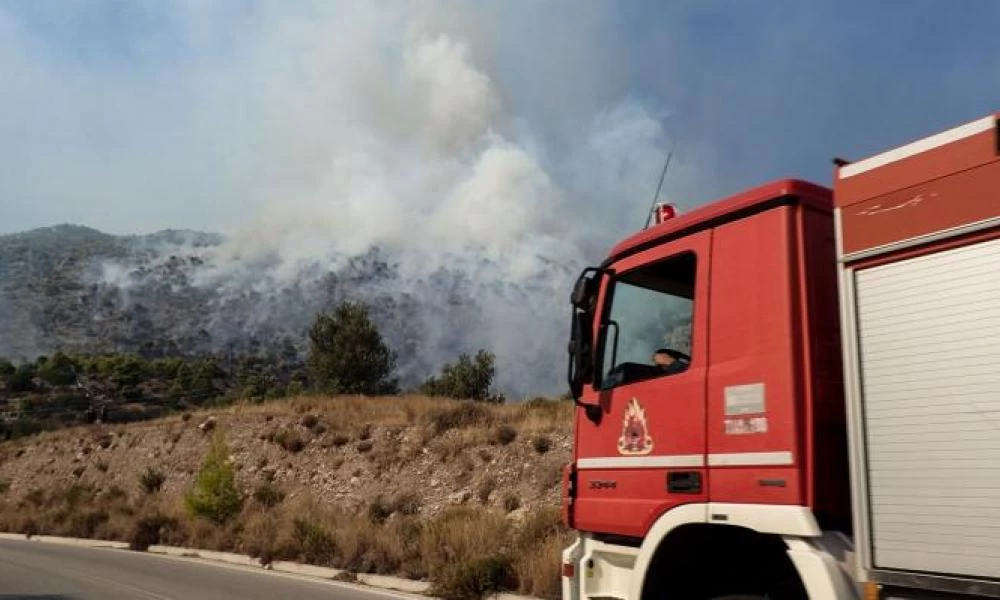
383,582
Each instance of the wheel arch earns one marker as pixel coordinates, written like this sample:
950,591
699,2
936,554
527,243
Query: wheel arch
792,529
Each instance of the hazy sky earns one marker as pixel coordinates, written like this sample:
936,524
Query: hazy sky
133,116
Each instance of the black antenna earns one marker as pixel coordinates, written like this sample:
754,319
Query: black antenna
649,213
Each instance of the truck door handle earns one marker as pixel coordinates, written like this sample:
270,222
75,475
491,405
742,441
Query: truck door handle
684,482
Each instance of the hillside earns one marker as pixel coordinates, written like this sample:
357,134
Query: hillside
404,485
184,293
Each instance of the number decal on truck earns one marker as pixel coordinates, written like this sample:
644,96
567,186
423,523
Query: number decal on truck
742,425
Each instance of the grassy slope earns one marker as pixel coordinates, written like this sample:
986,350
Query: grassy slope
427,488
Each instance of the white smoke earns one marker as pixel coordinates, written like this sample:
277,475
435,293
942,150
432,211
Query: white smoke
325,131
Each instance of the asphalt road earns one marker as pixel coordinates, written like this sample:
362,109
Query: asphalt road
42,571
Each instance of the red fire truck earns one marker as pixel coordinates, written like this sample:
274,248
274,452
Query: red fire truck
794,392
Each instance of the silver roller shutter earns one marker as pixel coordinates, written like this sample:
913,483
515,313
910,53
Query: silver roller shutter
929,344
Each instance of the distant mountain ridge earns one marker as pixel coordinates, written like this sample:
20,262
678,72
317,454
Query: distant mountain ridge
177,292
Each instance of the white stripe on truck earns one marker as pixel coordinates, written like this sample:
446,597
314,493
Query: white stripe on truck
914,148
736,459
642,462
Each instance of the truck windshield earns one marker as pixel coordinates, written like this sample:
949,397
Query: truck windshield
649,322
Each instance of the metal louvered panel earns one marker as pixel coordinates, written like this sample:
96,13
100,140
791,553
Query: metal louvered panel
929,345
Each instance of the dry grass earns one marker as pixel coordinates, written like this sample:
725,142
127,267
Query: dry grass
537,571
466,551
349,413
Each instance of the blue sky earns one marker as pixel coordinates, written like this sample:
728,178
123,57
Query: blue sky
136,116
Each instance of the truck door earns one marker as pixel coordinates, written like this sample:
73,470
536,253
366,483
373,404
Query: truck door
644,453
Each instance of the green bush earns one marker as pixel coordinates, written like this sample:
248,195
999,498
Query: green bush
469,378
347,354
22,379
58,370
7,368
127,372
214,495
474,578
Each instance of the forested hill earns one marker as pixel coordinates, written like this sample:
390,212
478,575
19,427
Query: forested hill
185,293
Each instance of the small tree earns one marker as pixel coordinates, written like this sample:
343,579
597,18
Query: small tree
347,354
23,379
58,370
214,495
7,368
203,381
469,378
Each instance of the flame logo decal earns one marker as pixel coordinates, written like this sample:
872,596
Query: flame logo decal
635,438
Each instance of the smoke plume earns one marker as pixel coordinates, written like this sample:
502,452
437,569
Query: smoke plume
400,132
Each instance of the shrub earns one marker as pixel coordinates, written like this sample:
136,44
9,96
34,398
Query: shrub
214,495
340,439
406,503
290,440
148,530
465,414
504,434
316,543
151,480
474,578
540,524
59,370
486,488
542,444
268,495
347,354
85,524
379,510
22,380
469,378
7,368
365,445
511,502
309,421
538,569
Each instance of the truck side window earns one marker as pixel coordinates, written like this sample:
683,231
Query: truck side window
648,332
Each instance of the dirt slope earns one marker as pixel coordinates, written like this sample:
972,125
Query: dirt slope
352,450
463,494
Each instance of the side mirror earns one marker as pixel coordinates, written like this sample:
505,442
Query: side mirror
581,362
581,343
584,292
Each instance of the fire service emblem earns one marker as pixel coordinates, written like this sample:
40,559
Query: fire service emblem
635,438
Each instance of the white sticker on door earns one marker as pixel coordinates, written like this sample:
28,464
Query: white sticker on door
745,399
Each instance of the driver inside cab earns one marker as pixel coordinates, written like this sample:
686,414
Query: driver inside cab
667,362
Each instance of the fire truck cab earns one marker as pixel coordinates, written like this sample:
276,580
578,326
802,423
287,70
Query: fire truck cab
768,399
